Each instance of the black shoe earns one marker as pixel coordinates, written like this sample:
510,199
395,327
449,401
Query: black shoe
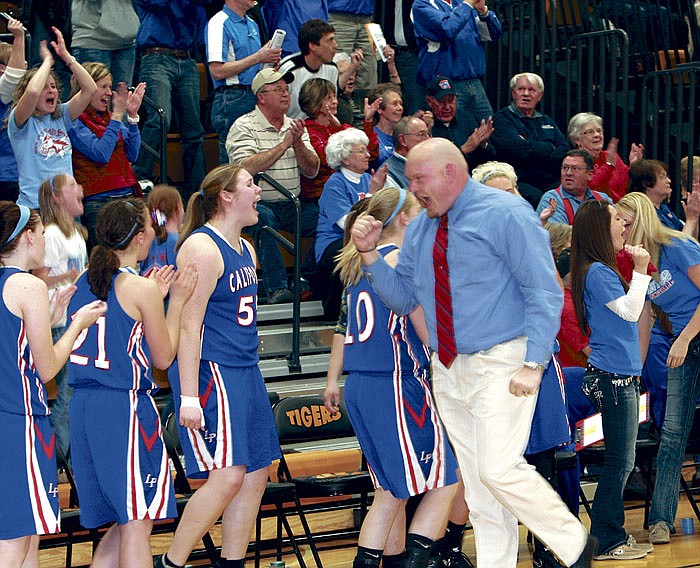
544,559
158,561
435,561
457,559
589,551
281,296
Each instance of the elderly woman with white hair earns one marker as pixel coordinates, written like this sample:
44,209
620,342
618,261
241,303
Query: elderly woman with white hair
502,176
610,173
346,153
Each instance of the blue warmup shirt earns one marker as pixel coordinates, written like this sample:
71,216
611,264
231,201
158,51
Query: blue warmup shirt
614,341
674,292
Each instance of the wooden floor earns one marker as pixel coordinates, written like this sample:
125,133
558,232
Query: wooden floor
683,552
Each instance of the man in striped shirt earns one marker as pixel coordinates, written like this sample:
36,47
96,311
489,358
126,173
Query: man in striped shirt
267,140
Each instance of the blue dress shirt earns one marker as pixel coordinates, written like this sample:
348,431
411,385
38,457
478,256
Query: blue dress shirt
501,273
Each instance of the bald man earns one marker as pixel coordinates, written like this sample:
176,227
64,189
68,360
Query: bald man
506,305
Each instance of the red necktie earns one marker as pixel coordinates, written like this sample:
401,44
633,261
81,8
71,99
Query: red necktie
447,347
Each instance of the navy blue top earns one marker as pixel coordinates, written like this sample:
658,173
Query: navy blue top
175,24
376,339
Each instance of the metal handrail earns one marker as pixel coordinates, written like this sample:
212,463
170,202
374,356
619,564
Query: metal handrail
160,156
295,249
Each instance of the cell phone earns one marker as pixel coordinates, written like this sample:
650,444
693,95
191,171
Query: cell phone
8,18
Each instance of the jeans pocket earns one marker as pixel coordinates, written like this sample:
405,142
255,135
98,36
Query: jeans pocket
591,388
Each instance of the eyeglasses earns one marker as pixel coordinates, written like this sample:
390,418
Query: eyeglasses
420,134
360,152
277,90
574,169
592,131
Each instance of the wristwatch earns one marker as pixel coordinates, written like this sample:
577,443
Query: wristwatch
534,365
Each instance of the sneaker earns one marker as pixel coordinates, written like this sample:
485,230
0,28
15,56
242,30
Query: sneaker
281,296
457,559
643,546
659,533
622,552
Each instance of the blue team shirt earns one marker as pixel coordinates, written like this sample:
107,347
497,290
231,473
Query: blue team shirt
386,148
674,292
376,339
112,353
339,195
8,164
230,330
614,341
229,37
23,392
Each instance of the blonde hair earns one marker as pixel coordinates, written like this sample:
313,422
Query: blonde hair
22,87
646,229
684,172
51,213
5,52
204,204
559,237
96,70
163,202
494,170
383,207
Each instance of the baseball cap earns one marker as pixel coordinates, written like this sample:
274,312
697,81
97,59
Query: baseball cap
440,87
267,76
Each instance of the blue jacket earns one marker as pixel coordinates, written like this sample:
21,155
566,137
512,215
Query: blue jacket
177,24
449,40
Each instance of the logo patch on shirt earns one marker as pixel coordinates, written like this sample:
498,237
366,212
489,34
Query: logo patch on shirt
657,288
53,143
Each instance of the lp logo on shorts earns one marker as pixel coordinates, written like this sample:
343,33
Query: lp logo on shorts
150,480
52,490
209,436
425,458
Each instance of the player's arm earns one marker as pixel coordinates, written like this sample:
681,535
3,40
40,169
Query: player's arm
30,298
201,253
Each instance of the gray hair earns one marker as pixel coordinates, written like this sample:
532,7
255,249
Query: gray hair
532,78
341,144
578,121
483,172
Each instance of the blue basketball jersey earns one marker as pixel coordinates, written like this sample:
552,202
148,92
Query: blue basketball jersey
376,339
229,331
112,352
23,392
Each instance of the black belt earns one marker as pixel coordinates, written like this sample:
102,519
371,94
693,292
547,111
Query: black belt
237,87
179,53
403,49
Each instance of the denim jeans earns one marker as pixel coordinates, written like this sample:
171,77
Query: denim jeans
681,396
280,215
91,208
412,93
59,417
173,84
120,62
227,106
471,97
617,398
